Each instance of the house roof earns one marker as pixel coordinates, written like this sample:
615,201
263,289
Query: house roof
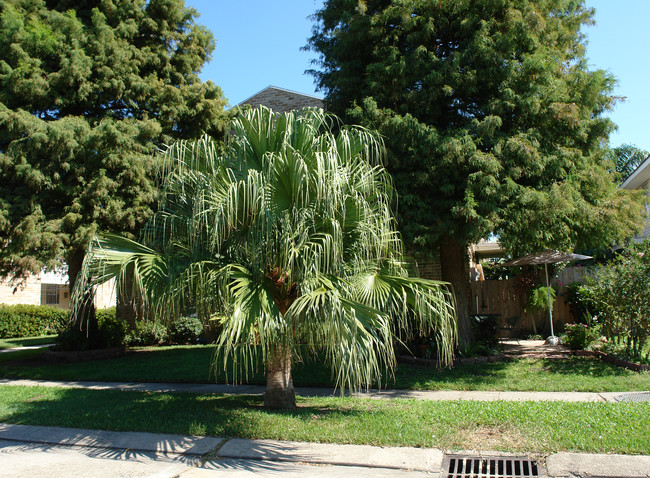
484,249
282,100
640,175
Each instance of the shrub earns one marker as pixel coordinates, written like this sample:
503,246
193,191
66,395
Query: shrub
111,333
72,338
147,333
580,336
620,292
111,329
486,330
580,302
185,330
18,321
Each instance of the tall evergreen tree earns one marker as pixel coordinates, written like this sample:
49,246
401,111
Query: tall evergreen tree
493,121
88,91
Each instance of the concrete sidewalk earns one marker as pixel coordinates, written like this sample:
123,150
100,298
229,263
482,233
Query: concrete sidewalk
26,347
485,396
207,453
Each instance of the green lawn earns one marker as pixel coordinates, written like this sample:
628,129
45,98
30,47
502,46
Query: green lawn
534,427
25,342
192,364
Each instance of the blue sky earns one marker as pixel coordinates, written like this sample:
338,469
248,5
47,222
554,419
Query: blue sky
258,44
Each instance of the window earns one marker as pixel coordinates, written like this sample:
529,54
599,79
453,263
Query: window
51,294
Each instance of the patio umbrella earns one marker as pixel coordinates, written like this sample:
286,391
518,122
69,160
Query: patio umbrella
547,257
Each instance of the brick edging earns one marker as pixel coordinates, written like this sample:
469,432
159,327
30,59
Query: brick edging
81,356
638,367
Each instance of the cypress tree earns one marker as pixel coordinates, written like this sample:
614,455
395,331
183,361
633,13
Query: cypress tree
493,121
89,90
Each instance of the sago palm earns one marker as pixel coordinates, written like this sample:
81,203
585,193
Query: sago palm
288,237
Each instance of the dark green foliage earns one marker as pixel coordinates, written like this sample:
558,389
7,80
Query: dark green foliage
580,302
111,333
486,330
580,336
111,329
104,315
493,121
147,333
88,92
185,330
31,320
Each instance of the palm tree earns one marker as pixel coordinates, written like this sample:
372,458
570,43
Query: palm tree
288,237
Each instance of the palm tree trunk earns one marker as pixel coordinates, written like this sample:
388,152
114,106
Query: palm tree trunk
86,319
279,394
128,308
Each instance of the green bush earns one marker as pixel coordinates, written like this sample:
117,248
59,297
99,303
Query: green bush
620,292
111,329
578,296
17,321
185,330
111,333
580,336
147,333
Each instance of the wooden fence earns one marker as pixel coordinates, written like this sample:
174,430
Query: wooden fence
503,298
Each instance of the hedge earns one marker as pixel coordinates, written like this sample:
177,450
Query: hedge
18,321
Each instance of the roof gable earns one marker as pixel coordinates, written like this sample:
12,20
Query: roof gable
281,100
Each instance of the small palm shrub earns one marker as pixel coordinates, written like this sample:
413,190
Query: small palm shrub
538,298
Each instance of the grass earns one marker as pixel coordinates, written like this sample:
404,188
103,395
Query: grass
26,342
534,427
192,364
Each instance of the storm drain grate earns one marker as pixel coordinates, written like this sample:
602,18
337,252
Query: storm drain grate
467,466
634,397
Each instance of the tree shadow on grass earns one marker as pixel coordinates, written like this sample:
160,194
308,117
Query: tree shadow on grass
175,413
463,376
583,366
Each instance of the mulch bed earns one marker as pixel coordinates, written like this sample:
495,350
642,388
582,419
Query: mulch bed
51,355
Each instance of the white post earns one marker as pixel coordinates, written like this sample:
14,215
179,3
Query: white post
548,296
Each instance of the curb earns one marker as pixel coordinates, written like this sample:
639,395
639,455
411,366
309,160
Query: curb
212,448
146,442
597,465
428,460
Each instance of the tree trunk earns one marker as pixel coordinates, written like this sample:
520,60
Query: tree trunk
454,265
86,319
127,307
279,394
